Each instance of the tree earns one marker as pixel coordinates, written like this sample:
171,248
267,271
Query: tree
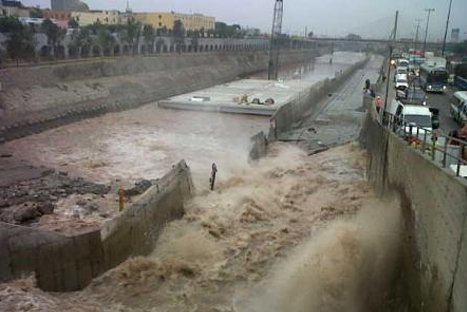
106,41
131,34
73,23
223,30
36,13
20,42
162,31
310,34
80,39
178,34
149,35
10,24
53,32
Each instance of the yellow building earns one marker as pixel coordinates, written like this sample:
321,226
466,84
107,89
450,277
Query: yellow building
157,20
164,19
104,17
196,21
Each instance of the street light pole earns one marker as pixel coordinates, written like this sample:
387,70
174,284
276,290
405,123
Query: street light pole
426,29
416,35
447,26
391,45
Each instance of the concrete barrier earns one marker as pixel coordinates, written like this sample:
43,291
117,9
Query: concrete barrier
295,110
436,207
69,263
307,100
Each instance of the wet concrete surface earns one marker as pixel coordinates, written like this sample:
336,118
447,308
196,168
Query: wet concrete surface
442,102
339,119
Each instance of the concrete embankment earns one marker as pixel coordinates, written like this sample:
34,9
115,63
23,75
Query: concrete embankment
38,98
305,103
68,263
435,264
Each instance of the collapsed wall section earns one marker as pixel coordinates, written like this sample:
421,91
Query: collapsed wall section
69,263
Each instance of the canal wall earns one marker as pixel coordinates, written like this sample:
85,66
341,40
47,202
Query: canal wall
69,262
435,209
33,99
306,102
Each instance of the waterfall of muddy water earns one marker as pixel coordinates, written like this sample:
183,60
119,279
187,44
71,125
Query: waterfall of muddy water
291,233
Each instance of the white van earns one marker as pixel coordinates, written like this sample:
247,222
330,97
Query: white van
415,116
400,115
459,107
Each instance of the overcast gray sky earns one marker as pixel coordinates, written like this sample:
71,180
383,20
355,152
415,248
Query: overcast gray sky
330,17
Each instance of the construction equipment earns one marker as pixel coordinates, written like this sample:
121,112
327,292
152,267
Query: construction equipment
274,46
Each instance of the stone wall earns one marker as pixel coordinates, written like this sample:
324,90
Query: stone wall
68,263
435,201
37,98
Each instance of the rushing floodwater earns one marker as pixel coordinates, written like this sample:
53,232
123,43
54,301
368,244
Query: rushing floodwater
291,233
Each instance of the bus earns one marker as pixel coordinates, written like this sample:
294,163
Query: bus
433,79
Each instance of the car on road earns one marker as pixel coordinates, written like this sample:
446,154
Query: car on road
459,107
402,82
400,71
412,96
403,63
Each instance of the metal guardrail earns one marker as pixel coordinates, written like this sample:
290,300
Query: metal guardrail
453,151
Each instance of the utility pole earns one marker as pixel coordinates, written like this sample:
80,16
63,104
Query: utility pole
418,20
389,64
274,46
447,26
426,29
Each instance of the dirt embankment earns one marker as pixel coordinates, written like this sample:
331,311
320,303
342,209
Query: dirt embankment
38,98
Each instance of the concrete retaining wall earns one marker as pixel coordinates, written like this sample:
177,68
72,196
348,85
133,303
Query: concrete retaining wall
436,201
295,110
38,98
307,100
68,263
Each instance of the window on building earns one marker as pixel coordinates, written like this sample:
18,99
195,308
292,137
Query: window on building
160,24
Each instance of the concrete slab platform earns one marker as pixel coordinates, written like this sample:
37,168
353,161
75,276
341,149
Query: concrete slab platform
226,97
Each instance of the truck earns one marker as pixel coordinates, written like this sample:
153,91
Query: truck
433,79
438,62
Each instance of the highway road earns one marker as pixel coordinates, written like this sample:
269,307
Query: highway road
441,101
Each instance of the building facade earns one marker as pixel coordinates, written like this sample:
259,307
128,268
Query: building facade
57,15
13,8
196,21
167,19
112,17
69,5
